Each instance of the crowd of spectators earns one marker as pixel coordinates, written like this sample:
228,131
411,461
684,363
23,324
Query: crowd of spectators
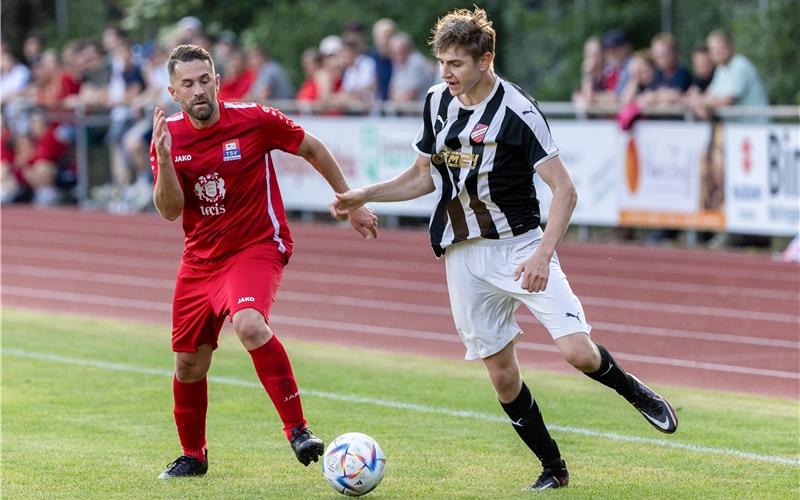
42,90
121,79
653,78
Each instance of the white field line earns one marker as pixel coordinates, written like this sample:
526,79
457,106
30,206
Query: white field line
349,246
586,266
409,407
350,328
164,284
88,257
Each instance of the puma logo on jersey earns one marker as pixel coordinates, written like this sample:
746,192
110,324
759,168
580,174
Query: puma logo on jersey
182,158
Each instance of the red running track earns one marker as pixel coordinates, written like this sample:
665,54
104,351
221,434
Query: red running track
721,320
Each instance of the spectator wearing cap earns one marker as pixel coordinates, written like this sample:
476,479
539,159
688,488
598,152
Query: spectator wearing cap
329,76
359,80
671,78
618,53
188,28
736,81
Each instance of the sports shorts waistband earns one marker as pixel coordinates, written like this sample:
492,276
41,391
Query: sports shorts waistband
532,235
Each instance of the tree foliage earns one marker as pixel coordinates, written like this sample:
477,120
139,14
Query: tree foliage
539,41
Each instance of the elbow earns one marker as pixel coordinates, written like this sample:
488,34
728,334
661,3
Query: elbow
168,211
170,215
173,216
572,199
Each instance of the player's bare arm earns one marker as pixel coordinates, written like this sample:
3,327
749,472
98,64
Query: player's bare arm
314,152
167,192
412,183
536,268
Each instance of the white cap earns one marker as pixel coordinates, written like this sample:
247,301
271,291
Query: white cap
190,23
330,45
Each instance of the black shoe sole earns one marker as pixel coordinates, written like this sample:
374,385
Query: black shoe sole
311,453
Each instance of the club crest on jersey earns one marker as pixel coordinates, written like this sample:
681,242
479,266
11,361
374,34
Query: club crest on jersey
231,151
478,132
210,188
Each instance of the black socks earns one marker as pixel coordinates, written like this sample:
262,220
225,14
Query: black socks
529,424
611,374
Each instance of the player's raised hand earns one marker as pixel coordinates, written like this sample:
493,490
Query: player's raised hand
161,136
365,222
534,272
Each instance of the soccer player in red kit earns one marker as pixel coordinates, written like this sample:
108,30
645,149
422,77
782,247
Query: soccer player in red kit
212,165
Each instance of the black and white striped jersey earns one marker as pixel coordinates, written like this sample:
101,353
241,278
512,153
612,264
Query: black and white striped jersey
483,158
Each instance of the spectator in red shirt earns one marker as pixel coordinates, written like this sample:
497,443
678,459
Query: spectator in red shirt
238,78
36,164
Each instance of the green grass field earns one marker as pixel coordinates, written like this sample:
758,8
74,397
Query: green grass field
86,413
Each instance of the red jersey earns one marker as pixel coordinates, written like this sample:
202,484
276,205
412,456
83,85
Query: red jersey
231,195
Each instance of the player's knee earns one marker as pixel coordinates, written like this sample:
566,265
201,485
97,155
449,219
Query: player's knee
188,372
583,357
504,381
252,329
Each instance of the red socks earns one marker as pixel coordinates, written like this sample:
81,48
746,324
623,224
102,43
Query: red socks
275,373
191,403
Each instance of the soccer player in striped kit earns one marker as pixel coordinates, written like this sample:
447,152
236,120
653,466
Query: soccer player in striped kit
212,166
482,139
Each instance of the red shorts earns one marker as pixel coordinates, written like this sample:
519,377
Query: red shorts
206,293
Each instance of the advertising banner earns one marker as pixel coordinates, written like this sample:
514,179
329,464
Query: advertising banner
664,174
666,169
762,182
590,151
368,150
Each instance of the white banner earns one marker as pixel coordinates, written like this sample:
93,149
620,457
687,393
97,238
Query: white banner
368,150
762,182
741,178
663,162
591,154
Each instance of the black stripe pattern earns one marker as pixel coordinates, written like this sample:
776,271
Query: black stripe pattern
487,153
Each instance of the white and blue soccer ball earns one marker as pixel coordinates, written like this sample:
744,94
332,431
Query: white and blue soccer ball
353,464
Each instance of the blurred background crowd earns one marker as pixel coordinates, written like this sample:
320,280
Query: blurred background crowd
113,79
43,88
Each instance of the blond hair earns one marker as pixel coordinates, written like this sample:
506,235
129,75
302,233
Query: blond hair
469,30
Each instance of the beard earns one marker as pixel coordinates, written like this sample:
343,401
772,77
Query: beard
202,112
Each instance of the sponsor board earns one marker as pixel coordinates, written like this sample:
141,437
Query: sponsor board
762,182
664,164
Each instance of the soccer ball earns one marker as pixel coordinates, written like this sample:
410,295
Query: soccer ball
353,464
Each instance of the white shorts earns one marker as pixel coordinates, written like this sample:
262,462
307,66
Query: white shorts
484,295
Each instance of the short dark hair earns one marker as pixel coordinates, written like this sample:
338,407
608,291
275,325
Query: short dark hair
470,30
188,52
